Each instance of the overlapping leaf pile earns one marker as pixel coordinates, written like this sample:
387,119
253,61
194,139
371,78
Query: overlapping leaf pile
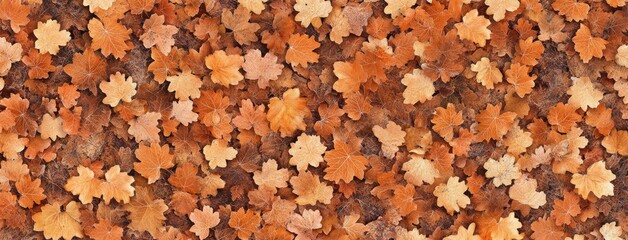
313,119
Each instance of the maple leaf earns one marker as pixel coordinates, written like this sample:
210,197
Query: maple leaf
139,6
144,127
13,170
597,180
15,12
303,224
252,117
403,199
301,50
271,177
622,89
524,191
545,229
85,185
146,213
87,70
210,185
518,76
11,145
185,178
245,223
182,112
445,119
419,88
225,68
104,230
164,65
498,8
502,171
185,85
345,162
420,170
356,105
30,191
464,234
391,138
287,114
398,7
616,141
566,209
51,128
622,55
611,231
518,140
340,25
117,186
238,22
584,94
487,73
310,189
41,64
571,9
451,195
50,37
587,45
601,118
506,228
56,223
217,153
551,27
351,76
353,228
307,150
118,89
529,51
203,221
262,69
492,124
474,28
10,53
158,34
110,37
564,116
98,4
311,11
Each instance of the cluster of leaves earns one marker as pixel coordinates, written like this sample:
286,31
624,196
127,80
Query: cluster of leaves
313,119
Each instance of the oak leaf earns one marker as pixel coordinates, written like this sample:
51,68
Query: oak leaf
203,221
57,223
287,114
185,85
244,222
217,153
50,37
225,68
597,180
487,73
391,138
311,11
584,94
110,37
156,33
451,195
587,45
345,162
301,49
419,87
474,28
118,89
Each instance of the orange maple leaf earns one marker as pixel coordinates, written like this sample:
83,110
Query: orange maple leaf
301,50
110,37
345,162
245,223
587,45
152,160
492,124
287,114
